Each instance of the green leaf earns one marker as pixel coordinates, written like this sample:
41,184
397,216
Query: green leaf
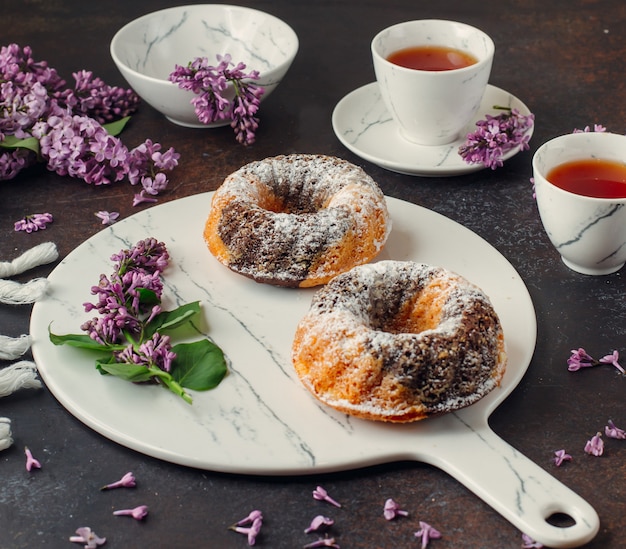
199,366
169,320
148,297
115,128
136,373
82,341
12,142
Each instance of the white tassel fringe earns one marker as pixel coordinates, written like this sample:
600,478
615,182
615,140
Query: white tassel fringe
14,293
13,347
39,255
21,375
5,433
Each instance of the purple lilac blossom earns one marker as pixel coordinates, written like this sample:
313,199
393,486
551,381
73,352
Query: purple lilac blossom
31,462
210,84
321,494
138,513
119,301
127,481
392,510
14,161
561,456
579,359
596,128
34,222
318,522
154,352
426,533
252,516
495,136
107,218
91,96
612,431
530,543
613,360
67,125
80,147
88,537
595,446
251,531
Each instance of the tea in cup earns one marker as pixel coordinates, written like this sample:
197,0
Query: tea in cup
432,76
580,185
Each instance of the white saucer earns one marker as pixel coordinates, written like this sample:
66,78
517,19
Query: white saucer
363,124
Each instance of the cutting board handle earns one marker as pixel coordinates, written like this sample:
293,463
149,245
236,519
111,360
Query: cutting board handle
515,486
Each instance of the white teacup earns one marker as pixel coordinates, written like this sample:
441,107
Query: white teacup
589,233
432,107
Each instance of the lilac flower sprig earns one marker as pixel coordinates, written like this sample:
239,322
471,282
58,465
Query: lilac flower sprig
72,130
495,136
580,359
210,84
130,329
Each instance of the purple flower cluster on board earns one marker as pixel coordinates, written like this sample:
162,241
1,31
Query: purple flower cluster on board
120,304
495,136
42,119
212,86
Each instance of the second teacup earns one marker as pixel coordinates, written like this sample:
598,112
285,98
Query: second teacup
432,105
580,185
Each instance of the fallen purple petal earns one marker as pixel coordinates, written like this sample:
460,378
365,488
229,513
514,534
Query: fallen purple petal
318,522
612,431
322,495
392,510
127,481
138,513
426,533
560,456
108,218
87,536
31,462
613,359
33,222
530,543
595,446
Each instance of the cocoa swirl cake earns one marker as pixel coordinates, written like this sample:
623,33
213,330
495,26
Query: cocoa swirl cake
399,341
297,220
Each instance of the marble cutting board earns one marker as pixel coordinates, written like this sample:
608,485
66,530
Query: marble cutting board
260,420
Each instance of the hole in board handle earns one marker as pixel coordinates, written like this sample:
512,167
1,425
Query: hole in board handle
561,520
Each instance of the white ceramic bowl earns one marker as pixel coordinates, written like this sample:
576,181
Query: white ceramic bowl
147,50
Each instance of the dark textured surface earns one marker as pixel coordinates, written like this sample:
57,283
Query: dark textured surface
564,59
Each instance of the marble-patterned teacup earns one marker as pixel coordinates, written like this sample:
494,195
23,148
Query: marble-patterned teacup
589,233
432,107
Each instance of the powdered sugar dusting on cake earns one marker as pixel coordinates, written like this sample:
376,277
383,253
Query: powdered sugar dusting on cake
426,365
289,218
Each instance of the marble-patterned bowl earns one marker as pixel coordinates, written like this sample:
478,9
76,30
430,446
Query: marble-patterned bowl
147,49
